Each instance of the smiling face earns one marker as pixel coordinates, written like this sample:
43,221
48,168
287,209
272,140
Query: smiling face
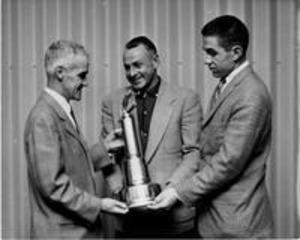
219,60
140,66
74,77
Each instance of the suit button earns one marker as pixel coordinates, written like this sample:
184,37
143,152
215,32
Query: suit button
144,134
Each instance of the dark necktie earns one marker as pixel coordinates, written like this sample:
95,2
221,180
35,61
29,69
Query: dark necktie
74,119
217,92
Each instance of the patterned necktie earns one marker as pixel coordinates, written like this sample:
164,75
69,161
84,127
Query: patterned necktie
74,119
217,92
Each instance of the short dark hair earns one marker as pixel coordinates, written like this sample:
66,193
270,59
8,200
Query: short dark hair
141,40
230,31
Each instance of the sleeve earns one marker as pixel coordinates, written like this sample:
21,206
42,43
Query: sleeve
190,133
100,156
247,120
107,118
50,177
112,173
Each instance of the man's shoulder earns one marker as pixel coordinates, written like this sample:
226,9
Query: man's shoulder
253,85
40,114
41,111
181,91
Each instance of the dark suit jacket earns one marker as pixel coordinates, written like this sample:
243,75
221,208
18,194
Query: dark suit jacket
230,187
61,175
172,149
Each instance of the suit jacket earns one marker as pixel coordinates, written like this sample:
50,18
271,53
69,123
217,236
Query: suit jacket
230,187
61,175
172,151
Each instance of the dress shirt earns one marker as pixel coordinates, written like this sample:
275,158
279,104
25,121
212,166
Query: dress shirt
62,102
145,104
229,78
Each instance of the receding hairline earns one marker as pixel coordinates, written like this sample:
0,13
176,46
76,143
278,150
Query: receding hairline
150,52
63,53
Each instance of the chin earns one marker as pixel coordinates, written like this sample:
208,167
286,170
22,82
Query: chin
215,75
138,87
77,98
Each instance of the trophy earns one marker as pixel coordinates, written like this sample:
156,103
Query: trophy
139,191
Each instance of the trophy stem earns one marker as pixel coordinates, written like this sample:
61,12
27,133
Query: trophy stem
130,136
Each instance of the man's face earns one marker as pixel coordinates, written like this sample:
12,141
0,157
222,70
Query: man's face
75,77
218,59
140,66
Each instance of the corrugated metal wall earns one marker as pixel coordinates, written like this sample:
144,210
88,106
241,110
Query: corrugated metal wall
103,26
298,53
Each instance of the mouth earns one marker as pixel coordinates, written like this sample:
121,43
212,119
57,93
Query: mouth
79,89
135,81
212,69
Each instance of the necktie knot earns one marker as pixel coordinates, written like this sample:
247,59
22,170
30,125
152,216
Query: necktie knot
217,92
223,80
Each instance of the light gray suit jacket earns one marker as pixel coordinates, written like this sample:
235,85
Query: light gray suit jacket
61,175
172,150
230,187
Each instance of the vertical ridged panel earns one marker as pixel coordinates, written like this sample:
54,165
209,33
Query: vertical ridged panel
104,26
298,120
285,109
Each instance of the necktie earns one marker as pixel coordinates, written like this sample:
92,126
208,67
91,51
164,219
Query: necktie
217,92
74,119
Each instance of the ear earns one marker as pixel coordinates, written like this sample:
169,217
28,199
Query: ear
59,73
156,60
236,52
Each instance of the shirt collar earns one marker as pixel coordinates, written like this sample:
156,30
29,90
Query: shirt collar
150,91
60,100
235,72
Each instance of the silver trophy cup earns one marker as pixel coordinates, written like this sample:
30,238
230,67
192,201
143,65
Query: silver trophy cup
139,191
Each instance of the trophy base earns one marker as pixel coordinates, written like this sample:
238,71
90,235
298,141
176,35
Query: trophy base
139,196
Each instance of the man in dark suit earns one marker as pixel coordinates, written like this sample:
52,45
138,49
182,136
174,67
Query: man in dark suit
60,169
229,189
168,119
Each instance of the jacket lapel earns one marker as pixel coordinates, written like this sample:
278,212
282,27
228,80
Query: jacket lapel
227,91
68,125
63,116
160,119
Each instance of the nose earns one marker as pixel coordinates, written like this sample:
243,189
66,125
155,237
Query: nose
132,72
207,60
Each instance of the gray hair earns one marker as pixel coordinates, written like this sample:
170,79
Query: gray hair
60,52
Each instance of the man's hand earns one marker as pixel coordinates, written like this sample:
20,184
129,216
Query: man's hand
165,200
110,205
114,141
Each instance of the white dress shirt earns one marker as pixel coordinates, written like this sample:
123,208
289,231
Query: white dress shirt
234,73
62,102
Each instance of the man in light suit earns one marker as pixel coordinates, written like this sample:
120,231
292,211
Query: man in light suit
60,168
168,119
229,189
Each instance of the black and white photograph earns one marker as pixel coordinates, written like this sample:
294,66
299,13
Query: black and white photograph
150,119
